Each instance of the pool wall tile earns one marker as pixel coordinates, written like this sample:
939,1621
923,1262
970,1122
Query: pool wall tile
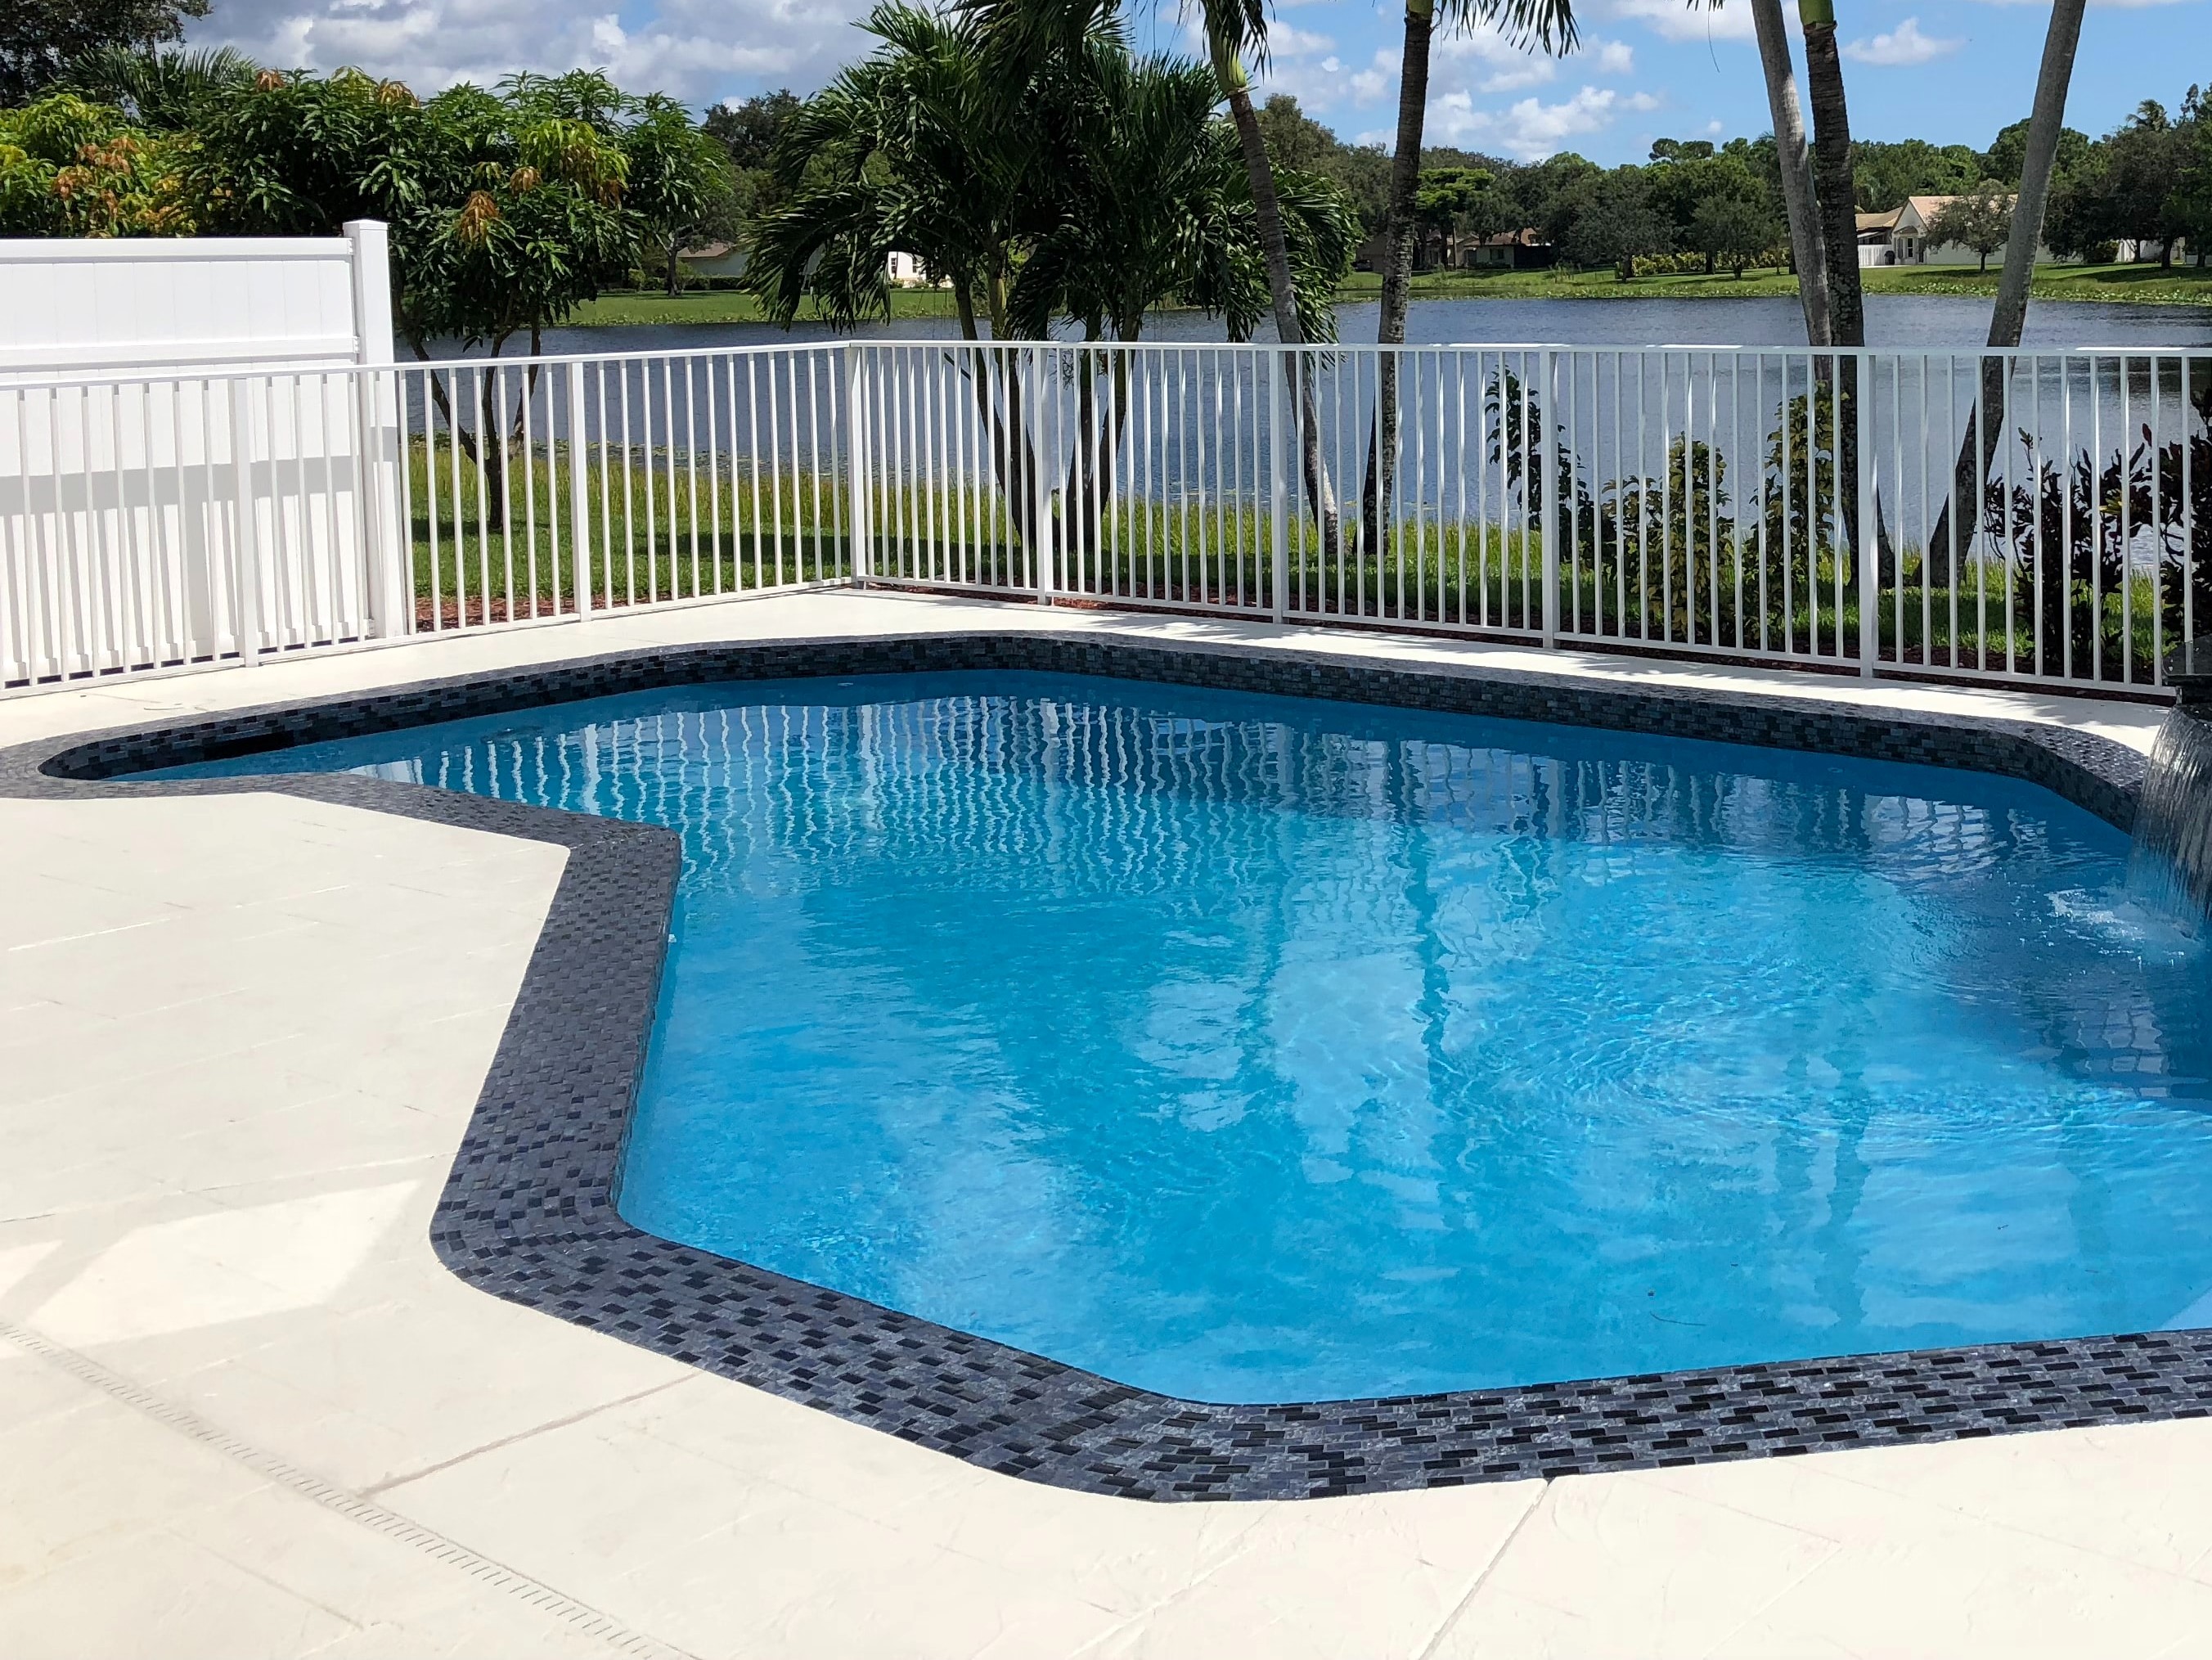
528,1211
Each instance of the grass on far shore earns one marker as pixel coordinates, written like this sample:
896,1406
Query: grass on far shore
2135,284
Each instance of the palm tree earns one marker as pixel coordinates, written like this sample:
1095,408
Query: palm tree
1236,31
1832,166
2045,118
1551,24
2009,315
162,90
1149,203
1800,205
908,151
1096,185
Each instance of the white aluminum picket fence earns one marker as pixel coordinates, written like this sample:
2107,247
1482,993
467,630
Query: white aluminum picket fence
2040,518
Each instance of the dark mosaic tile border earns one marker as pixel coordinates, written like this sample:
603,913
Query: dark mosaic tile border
527,1212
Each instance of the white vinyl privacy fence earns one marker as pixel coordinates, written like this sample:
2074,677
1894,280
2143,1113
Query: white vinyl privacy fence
2043,518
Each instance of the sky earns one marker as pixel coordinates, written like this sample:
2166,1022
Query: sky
1953,71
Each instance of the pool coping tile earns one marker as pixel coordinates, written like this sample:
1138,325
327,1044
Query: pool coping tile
528,1212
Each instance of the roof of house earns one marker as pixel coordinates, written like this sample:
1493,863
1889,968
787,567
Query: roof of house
1878,221
1925,207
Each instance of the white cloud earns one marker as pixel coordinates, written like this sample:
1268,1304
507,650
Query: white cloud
1902,47
1285,42
1530,128
1616,57
1684,20
693,49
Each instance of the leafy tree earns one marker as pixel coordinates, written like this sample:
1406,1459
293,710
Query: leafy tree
506,207
525,219
680,182
1884,174
748,129
1296,141
1733,231
2009,148
1620,224
1455,200
1692,176
2189,204
1294,138
1980,220
2126,187
38,38
72,168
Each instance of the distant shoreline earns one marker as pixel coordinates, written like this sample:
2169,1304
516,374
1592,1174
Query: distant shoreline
2138,285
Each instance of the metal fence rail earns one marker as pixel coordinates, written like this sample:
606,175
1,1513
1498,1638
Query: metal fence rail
2038,517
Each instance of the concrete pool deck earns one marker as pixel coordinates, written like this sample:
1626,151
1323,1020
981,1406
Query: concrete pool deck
243,1411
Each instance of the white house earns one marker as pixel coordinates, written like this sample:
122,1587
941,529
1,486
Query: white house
1909,241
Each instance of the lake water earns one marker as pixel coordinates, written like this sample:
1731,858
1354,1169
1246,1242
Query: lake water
1910,321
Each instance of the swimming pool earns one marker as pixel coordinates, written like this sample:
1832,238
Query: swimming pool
1252,1048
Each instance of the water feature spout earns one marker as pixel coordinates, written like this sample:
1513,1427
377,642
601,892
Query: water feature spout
2170,868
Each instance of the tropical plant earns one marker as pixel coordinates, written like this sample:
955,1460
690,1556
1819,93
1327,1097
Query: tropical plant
1834,195
39,39
1150,204
72,167
2008,315
911,150
165,91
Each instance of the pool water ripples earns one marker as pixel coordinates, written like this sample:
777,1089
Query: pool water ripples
1251,1049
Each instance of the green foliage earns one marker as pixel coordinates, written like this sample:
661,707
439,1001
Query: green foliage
164,91
506,207
72,167
2008,153
39,39
1980,220
1735,231
1089,183
1883,175
681,184
906,150
2148,182
1619,221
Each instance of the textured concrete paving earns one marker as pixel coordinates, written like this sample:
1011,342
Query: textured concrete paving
243,1412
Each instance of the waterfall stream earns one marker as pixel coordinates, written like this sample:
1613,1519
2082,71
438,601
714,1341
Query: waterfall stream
2170,868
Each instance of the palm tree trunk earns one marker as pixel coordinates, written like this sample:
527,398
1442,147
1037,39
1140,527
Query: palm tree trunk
1229,69
1398,230
1839,239
2043,122
1832,165
1800,205
2009,316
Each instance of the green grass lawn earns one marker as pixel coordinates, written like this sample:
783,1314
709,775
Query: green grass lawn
727,305
2138,284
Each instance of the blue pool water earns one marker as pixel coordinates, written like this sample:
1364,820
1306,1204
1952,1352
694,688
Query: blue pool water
1250,1048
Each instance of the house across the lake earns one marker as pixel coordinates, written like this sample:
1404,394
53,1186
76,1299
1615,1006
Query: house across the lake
1902,237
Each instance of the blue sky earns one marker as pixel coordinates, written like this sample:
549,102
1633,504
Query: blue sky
1949,71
